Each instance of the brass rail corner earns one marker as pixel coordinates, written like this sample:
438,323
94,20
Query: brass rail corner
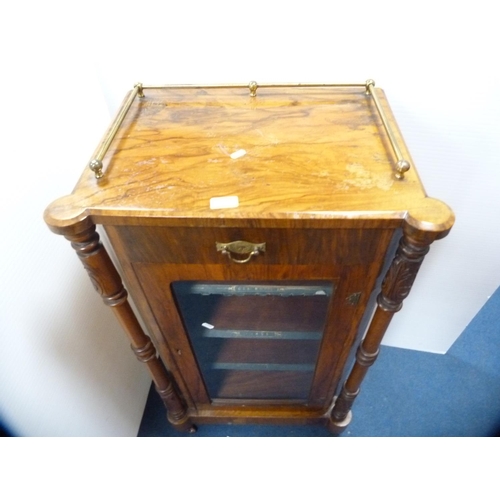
402,165
96,163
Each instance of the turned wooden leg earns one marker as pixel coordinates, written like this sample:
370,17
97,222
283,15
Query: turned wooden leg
396,286
108,283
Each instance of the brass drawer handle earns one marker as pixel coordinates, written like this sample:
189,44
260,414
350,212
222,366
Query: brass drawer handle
241,248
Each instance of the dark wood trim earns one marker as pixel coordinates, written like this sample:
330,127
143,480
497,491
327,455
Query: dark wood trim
396,286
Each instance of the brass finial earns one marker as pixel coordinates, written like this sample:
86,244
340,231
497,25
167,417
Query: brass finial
369,83
140,92
253,88
96,167
402,166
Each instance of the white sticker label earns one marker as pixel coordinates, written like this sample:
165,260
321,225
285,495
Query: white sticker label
208,325
238,154
224,202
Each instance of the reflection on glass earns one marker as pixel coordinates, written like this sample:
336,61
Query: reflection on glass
255,340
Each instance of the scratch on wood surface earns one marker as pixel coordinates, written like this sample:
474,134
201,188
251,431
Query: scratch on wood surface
150,161
359,177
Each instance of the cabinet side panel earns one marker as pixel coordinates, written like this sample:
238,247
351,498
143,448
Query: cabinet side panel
350,304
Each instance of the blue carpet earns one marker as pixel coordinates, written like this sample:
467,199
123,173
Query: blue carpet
406,393
479,345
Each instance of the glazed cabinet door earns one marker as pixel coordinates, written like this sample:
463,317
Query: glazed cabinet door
252,316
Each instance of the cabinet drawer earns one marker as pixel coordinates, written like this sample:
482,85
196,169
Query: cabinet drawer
190,245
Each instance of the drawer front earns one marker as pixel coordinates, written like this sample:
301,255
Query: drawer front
248,246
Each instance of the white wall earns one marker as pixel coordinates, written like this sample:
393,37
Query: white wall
65,367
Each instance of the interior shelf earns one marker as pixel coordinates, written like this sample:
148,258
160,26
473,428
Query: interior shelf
247,336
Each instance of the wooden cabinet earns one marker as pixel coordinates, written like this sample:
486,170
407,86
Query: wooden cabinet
267,235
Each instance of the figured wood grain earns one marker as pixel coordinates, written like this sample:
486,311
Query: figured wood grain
265,413
309,154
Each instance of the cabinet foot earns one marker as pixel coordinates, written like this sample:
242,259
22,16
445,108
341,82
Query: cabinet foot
184,425
337,428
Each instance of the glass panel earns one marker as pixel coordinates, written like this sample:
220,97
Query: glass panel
255,340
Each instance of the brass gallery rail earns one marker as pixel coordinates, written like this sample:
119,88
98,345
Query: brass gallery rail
96,164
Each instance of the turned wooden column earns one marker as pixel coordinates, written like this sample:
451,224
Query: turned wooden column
108,283
396,286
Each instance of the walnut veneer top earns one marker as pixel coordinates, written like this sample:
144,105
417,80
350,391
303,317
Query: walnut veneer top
287,154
